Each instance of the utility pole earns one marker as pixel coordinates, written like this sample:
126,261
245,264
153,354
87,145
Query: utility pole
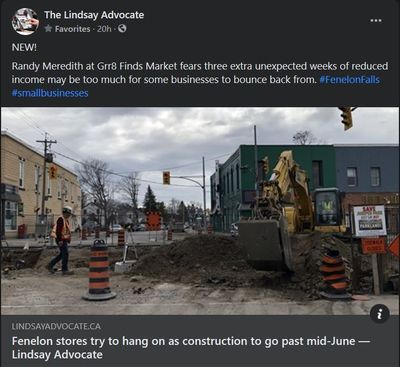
256,166
47,144
204,195
135,199
37,192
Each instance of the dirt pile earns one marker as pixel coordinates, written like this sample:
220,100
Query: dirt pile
19,258
308,251
219,260
214,260
199,259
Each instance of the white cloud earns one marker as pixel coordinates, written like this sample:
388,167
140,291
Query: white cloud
153,139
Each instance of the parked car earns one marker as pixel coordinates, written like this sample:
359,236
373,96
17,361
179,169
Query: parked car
115,228
234,230
139,227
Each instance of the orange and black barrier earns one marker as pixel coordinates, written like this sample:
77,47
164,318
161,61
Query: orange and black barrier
97,232
121,237
153,221
99,278
209,229
334,275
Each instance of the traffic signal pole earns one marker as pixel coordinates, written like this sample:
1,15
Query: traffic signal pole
256,178
166,181
204,196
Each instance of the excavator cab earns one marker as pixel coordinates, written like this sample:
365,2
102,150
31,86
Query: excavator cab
328,211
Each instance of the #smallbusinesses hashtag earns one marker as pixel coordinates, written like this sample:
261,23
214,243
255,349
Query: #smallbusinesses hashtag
49,93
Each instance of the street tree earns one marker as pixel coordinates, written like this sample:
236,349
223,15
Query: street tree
129,186
122,212
183,212
94,177
161,208
84,200
304,137
149,202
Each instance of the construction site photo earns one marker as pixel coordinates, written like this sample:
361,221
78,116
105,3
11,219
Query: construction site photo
199,211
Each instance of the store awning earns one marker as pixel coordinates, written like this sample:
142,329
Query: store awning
10,196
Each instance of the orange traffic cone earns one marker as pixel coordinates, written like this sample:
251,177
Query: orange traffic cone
99,280
334,276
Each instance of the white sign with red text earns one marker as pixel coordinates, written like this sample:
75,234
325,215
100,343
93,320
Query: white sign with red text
369,220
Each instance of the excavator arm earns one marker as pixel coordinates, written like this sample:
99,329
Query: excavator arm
265,236
287,184
284,205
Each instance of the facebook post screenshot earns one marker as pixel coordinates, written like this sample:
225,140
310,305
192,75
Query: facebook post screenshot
200,183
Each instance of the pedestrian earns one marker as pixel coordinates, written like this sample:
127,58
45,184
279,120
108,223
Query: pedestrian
62,235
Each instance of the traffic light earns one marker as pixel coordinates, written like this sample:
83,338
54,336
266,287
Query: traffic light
347,120
166,177
53,172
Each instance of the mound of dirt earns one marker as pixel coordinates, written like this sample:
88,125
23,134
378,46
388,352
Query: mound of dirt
216,260
28,258
219,260
308,251
199,259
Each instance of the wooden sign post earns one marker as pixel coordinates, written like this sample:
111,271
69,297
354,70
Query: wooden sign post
370,225
374,246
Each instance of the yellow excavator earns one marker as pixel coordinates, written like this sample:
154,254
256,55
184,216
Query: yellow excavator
284,206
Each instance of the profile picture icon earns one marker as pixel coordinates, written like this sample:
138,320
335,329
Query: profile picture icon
25,21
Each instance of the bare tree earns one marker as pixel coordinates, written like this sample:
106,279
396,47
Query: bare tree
84,200
95,179
304,137
129,185
173,207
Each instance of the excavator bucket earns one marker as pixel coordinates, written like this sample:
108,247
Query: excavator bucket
266,244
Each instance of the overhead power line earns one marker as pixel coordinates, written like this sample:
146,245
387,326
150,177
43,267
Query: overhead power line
35,125
118,174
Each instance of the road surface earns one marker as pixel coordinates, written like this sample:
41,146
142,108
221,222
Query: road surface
31,291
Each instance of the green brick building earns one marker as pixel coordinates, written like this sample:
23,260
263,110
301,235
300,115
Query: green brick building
233,183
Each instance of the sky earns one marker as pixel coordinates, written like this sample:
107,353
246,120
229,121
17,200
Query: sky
151,140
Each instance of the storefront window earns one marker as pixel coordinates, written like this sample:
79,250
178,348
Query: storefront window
10,223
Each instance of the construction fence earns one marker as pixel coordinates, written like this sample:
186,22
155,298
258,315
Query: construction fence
37,226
